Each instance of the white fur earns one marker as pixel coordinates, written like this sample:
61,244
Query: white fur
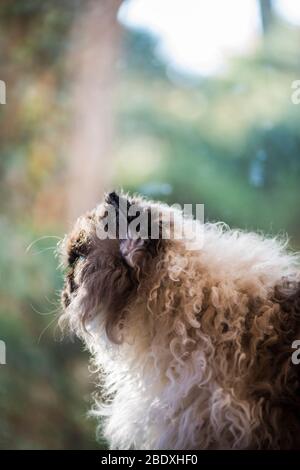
160,396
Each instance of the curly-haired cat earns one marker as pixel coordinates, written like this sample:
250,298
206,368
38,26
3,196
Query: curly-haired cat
193,347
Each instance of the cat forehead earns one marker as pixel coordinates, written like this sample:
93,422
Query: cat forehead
81,232
78,237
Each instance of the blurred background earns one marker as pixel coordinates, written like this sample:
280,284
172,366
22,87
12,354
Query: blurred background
185,101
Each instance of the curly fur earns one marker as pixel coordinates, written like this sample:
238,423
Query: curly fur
193,348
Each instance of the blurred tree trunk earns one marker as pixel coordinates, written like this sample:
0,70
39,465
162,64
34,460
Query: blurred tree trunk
95,43
266,13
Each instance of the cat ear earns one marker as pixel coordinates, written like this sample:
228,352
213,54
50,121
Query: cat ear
134,230
121,207
133,251
139,247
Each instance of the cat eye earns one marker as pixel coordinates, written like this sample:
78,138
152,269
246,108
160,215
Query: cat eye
76,256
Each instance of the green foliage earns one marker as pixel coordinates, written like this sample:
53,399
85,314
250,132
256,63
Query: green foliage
44,383
139,54
230,142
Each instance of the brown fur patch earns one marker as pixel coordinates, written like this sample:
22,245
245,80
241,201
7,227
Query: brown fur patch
218,325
